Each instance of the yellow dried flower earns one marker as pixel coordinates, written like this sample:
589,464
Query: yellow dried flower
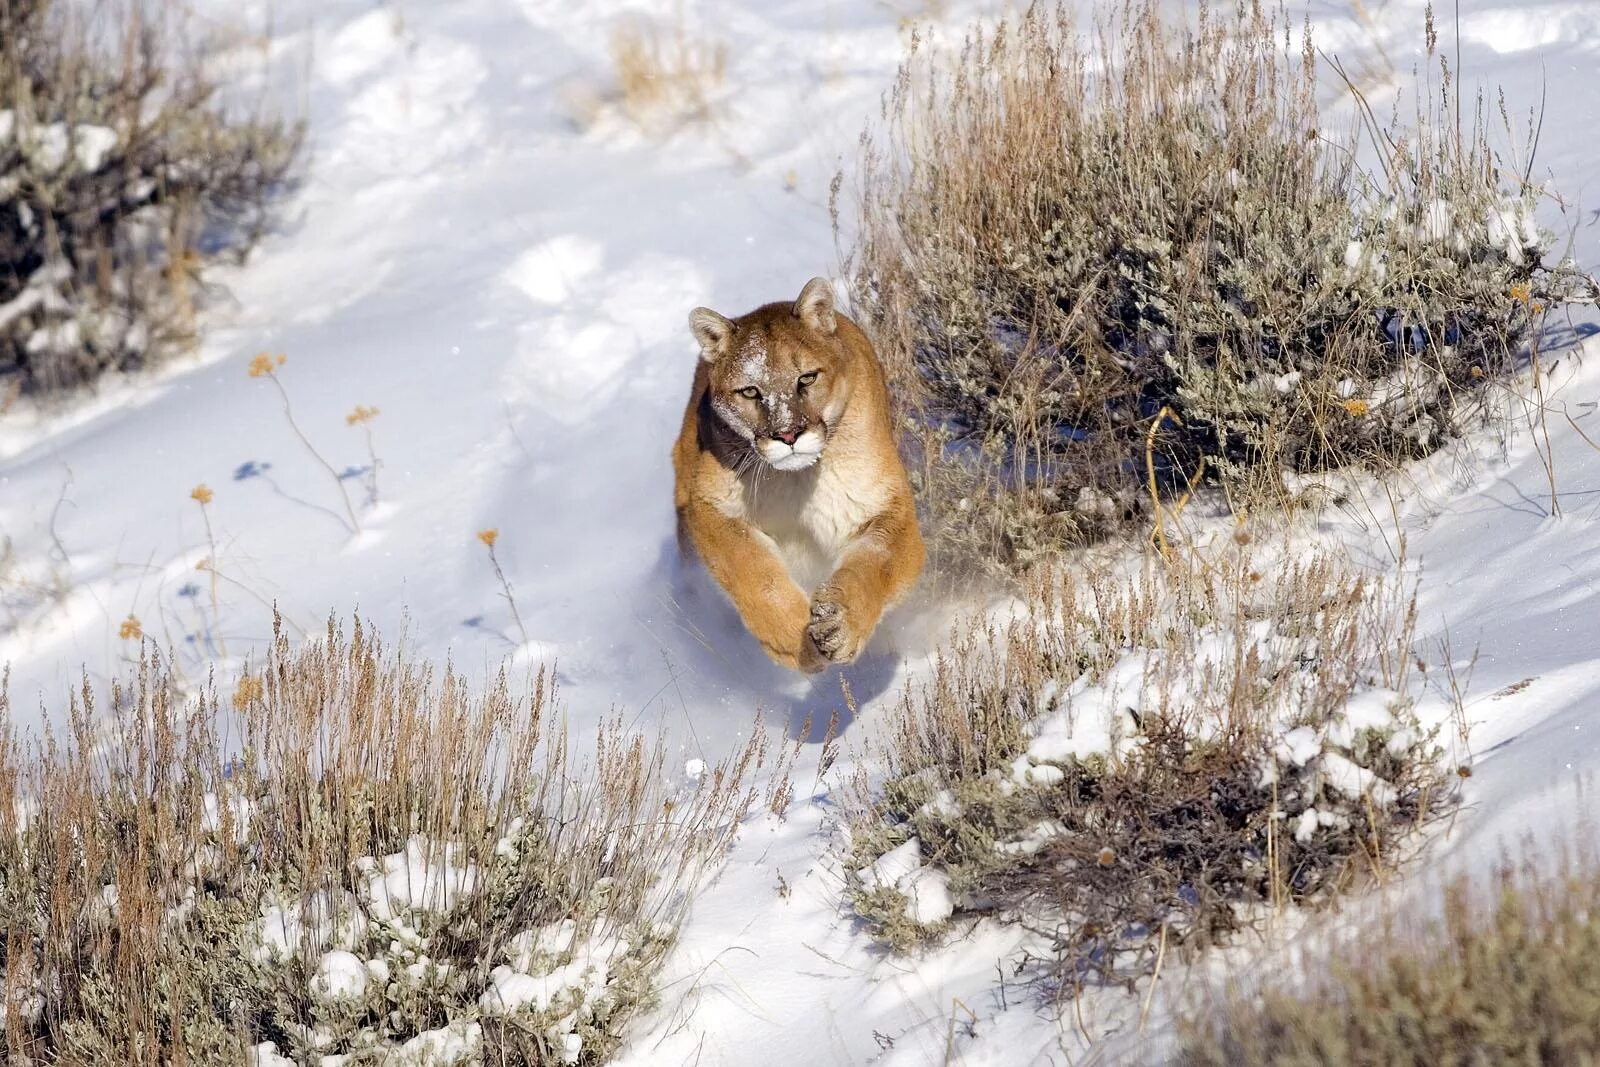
203,564
1522,292
130,630
265,363
1537,307
201,493
248,691
1106,857
360,414
489,536
1476,372
1356,408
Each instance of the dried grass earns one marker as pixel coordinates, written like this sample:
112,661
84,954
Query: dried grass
1180,823
665,77
1113,260
1509,973
142,852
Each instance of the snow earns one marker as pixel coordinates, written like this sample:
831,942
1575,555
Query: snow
928,898
424,877
286,925
266,1055
893,866
457,1043
510,291
550,941
1299,746
340,976
91,145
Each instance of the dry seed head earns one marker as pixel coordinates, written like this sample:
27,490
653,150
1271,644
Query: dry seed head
265,363
361,413
489,536
248,691
1356,408
130,630
1522,292
201,493
1106,857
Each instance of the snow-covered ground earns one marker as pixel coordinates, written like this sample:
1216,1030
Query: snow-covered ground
501,263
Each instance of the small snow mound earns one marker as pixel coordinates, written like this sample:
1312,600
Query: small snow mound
1299,746
928,898
341,977
1037,836
555,271
893,865
926,889
425,877
1345,776
548,941
458,1043
266,1055
361,45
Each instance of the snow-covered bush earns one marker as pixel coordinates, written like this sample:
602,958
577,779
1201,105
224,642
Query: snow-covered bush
391,868
1106,264
122,177
1508,973
1144,759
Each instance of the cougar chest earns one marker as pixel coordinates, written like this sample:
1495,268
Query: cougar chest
811,515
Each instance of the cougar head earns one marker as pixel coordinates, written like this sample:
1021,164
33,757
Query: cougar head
778,375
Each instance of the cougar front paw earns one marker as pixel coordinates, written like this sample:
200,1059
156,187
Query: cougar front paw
830,630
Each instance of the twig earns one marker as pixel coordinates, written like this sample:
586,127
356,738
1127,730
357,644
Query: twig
489,537
266,366
1155,976
202,494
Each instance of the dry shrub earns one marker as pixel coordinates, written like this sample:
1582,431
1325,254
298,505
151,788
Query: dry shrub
179,887
1150,758
122,177
1107,263
1509,974
665,76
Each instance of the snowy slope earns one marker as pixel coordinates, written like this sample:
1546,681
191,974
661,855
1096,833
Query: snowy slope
511,294
506,278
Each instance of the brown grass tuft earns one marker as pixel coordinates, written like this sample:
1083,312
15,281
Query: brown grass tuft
665,76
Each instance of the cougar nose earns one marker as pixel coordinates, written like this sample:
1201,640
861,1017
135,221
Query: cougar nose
788,437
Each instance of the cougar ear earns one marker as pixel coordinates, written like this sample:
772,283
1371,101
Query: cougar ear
712,331
815,306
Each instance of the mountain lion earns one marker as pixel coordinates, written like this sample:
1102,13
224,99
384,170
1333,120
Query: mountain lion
788,479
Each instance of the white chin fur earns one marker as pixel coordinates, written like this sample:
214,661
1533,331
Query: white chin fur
806,451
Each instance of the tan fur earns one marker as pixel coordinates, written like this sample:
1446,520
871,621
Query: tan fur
768,528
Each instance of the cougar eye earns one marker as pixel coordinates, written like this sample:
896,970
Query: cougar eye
750,391
806,379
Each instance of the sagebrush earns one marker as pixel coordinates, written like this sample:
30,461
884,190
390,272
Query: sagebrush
123,176
1107,263
1508,973
1144,761
359,858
